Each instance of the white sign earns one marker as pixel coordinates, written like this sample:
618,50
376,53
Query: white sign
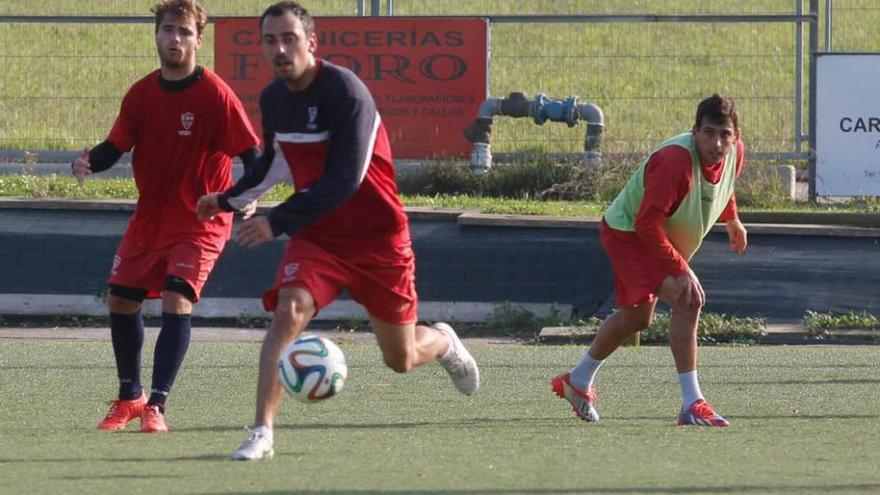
848,124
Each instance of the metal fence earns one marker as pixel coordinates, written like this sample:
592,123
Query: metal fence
64,65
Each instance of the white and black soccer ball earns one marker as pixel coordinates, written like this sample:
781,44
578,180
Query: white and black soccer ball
312,369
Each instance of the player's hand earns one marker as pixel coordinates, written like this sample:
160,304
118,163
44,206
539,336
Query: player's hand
208,206
249,210
736,232
81,167
254,231
685,288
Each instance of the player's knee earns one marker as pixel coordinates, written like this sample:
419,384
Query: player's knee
684,310
294,309
122,306
176,303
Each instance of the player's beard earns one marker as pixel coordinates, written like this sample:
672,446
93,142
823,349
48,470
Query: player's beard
170,61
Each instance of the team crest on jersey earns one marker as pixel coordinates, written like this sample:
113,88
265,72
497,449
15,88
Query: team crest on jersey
186,120
313,118
290,270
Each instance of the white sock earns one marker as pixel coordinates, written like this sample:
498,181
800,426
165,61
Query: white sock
264,431
690,388
584,373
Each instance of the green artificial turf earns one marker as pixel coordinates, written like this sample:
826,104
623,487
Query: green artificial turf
802,422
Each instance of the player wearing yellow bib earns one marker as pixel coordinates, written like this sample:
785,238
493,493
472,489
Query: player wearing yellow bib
650,232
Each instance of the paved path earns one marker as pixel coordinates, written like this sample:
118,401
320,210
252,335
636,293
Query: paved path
199,334
778,333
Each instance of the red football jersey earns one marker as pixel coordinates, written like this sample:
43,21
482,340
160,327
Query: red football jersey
183,142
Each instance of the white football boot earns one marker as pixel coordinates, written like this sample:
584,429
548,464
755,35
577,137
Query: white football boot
255,447
459,363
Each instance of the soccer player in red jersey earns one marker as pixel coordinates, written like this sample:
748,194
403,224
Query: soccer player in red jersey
346,224
650,232
184,124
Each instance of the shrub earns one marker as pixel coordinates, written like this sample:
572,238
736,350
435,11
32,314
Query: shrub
534,176
819,324
446,177
601,184
527,179
713,329
508,318
868,204
760,186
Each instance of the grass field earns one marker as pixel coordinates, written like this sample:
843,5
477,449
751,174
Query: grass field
60,84
803,422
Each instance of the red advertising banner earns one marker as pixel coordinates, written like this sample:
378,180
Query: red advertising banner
428,75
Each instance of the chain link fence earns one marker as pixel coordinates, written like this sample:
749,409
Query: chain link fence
646,64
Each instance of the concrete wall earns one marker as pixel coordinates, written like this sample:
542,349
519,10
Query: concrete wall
57,254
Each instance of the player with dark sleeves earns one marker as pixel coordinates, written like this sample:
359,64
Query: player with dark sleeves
347,227
183,124
650,232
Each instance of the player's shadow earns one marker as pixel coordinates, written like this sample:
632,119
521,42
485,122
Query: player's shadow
824,366
469,423
66,367
864,487
830,381
119,476
123,460
767,417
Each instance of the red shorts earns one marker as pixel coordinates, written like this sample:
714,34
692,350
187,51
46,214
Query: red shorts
636,277
148,269
382,281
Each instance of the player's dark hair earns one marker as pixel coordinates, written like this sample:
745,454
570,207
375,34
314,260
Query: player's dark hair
719,110
188,9
278,10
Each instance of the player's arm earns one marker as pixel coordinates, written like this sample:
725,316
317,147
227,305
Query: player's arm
246,201
241,140
261,172
668,179
98,159
123,136
736,231
348,158
261,175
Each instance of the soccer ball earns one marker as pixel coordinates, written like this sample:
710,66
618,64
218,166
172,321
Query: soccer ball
312,369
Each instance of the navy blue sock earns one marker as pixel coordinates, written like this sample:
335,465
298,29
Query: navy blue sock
127,334
171,347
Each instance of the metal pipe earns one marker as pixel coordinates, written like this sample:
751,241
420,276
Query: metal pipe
829,13
814,48
375,8
540,109
489,108
361,7
799,80
390,8
593,137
